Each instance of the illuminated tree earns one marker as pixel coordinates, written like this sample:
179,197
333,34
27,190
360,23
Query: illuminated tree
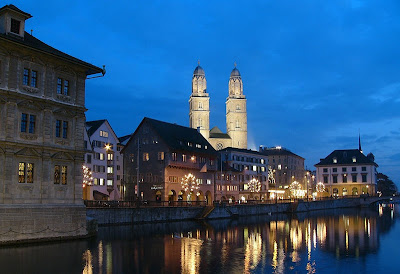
271,178
295,189
87,176
320,187
254,185
189,183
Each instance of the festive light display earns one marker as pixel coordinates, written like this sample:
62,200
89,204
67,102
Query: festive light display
271,178
189,183
320,187
295,189
254,185
87,176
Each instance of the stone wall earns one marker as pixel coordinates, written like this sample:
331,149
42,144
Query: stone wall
25,223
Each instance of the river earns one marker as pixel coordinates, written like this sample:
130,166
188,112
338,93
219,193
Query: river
334,241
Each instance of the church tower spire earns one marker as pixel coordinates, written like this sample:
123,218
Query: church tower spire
236,112
199,103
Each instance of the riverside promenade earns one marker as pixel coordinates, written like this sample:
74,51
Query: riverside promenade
116,213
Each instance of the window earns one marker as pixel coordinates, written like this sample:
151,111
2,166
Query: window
32,121
110,169
58,128
334,177
334,169
344,178
30,78
364,168
325,170
64,175
57,174
354,159
146,156
344,169
262,161
62,86
335,160
15,26
118,167
96,181
160,155
354,168
89,159
25,127
279,167
364,178
262,169
325,179
109,182
237,107
354,177
110,156
184,158
199,181
102,181
101,156
208,181
254,168
65,129
200,105
237,124
173,156
103,133
25,172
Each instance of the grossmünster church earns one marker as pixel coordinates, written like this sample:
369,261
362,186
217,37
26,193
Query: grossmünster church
236,113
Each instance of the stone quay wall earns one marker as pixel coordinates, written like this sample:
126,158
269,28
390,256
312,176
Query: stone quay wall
115,216
32,223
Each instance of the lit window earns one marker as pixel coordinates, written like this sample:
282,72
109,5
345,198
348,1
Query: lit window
262,161
110,156
110,169
101,181
57,174
173,156
25,172
254,168
344,178
279,167
335,160
101,156
208,182
184,158
109,182
64,175
354,159
103,133
146,156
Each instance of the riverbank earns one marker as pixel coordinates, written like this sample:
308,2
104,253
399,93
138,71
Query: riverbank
117,216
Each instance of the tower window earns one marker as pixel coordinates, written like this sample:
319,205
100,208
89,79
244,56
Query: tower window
200,105
237,107
237,124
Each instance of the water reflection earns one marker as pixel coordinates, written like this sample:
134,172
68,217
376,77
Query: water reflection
310,242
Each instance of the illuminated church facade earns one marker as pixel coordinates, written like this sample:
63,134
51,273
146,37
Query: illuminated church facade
236,112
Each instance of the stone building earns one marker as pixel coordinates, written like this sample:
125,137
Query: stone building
157,158
348,172
242,168
104,160
288,167
42,108
236,112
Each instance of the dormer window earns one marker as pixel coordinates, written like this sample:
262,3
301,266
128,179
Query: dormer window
335,160
354,159
15,26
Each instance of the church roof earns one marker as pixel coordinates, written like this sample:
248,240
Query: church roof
199,71
235,73
178,137
215,132
345,157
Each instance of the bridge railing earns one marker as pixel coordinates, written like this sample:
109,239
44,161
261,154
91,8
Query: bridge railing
130,204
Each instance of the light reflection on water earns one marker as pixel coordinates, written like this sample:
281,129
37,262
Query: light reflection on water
312,242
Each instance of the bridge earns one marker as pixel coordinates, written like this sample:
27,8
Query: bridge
369,200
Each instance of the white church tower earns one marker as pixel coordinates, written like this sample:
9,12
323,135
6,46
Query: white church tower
236,112
199,103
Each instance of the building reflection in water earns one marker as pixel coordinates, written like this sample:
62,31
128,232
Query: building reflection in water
262,244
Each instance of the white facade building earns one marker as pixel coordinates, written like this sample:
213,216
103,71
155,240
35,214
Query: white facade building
104,160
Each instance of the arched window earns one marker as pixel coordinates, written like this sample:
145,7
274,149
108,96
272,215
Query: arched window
354,191
335,192
200,105
344,191
237,124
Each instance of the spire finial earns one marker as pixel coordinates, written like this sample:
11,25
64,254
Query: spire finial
359,141
198,62
234,64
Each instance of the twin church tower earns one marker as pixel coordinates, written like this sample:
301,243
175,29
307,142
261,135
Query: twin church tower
236,113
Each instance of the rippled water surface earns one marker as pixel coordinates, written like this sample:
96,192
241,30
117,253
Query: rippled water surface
352,241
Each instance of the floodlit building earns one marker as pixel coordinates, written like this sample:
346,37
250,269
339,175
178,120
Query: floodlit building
160,160
348,172
244,175
236,111
104,162
42,125
288,167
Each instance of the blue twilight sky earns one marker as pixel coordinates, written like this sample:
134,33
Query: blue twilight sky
314,72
